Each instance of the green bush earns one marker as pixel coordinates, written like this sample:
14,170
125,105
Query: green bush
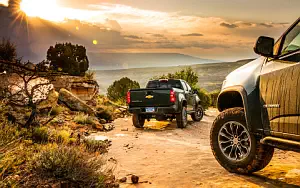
57,110
70,165
214,97
187,74
84,119
105,112
204,97
118,90
40,135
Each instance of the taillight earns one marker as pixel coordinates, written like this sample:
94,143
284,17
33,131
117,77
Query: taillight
172,96
128,97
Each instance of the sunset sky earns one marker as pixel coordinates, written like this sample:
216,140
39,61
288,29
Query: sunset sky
215,29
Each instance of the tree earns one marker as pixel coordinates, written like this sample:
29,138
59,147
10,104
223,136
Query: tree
118,90
187,74
191,77
26,90
69,58
8,50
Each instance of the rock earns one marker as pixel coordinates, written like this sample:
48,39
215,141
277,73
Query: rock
73,102
123,180
102,121
108,127
50,102
92,103
135,179
98,126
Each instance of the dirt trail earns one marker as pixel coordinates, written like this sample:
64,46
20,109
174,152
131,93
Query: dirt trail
182,158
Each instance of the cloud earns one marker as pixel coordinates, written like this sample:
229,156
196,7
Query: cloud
228,25
158,35
265,25
192,35
132,37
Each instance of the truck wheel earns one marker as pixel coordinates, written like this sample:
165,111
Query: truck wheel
236,148
198,115
138,120
181,118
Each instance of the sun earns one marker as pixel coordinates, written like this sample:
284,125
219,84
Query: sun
46,9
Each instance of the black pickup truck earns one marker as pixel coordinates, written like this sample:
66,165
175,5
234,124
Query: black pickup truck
163,100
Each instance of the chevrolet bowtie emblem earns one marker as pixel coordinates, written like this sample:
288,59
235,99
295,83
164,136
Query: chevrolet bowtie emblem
149,97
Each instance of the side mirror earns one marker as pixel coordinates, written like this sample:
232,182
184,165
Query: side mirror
265,46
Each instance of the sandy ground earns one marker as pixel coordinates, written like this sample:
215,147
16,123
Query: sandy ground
171,157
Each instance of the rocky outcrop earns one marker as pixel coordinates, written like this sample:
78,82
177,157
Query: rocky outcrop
50,102
73,102
84,89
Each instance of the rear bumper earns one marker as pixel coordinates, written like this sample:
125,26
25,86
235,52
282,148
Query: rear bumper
158,110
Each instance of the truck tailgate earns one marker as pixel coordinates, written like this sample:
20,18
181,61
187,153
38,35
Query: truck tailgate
150,97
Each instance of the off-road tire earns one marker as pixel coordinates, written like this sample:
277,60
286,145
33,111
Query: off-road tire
259,156
138,121
181,118
198,115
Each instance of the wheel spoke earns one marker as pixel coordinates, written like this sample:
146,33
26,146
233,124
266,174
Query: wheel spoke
224,142
234,141
225,128
224,135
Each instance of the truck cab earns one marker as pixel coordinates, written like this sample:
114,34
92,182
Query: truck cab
260,106
164,99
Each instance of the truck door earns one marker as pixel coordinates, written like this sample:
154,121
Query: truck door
280,85
189,97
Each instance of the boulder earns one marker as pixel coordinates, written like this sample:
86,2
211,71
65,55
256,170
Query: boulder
50,102
73,102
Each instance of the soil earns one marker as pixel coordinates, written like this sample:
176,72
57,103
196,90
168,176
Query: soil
165,156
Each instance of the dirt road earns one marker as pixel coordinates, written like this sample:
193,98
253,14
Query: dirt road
174,157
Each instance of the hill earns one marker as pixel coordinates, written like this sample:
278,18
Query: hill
211,75
109,61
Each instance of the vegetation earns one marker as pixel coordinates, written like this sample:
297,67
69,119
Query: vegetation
105,112
38,150
68,58
90,75
84,119
8,50
69,164
214,97
191,77
118,90
188,74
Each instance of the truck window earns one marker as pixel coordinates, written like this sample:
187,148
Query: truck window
184,86
292,40
188,86
168,84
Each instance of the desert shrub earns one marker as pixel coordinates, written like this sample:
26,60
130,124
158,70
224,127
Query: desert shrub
63,136
56,110
118,90
40,135
84,119
69,164
90,75
214,97
96,146
105,112
204,97
8,133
